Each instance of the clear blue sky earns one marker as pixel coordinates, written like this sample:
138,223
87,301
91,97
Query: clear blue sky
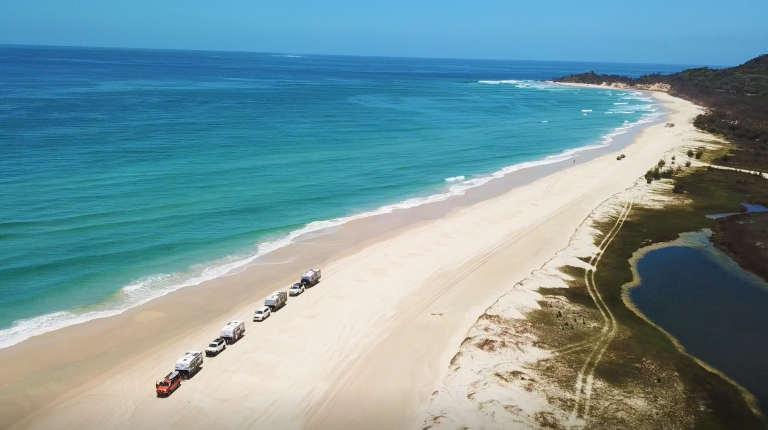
714,32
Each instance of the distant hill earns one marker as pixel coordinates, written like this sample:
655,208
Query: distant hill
737,99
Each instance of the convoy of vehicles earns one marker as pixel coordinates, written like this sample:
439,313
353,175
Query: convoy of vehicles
168,385
296,289
215,347
310,278
233,331
189,364
192,361
262,313
276,300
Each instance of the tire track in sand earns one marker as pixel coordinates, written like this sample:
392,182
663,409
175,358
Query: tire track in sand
441,282
585,377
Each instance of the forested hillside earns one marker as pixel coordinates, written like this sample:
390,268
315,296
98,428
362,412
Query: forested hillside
737,99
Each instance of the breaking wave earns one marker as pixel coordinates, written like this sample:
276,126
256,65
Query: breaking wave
524,84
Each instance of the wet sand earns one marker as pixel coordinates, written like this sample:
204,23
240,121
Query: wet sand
364,348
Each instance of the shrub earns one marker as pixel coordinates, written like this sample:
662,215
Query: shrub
687,164
690,153
699,153
678,189
661,163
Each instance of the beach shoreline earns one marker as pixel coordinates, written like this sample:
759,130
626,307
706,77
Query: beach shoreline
458,193
388,280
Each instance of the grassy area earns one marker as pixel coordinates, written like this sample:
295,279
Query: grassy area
643,380
745,239
711,191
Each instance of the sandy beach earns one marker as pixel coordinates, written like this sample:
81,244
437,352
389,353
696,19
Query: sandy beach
366,348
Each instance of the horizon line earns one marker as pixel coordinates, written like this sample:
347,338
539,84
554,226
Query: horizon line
354,55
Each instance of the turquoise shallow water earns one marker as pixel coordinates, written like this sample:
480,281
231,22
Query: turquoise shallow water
126,174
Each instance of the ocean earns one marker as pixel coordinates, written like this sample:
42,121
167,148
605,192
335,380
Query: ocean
128,174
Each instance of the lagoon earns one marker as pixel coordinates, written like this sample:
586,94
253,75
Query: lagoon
716,310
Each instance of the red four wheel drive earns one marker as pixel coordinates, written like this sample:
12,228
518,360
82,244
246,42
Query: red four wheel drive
168,385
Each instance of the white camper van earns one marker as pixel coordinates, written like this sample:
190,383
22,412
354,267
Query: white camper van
276,300
233,331
310,278
189,363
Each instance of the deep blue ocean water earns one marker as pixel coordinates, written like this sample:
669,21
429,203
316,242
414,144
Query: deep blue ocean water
715,309
126,174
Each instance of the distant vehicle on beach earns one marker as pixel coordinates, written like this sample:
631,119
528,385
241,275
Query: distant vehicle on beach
310,278
276,300
168,385
190,363
215,347
296,289
262,313
233,331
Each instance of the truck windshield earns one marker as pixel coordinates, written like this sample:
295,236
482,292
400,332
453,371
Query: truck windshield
213,345
165,384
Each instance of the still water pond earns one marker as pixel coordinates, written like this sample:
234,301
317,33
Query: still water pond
716,310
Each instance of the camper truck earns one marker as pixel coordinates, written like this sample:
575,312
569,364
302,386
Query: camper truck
189,363
233,331
276,300
310,278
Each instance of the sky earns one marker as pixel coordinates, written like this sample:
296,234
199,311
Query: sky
702,32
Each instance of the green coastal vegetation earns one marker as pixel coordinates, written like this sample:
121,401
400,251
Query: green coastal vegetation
736,99
645,381
642,362
707,191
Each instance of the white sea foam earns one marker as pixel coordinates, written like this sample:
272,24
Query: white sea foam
621,103
586,110
149,288
525,84
498,82
545,121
